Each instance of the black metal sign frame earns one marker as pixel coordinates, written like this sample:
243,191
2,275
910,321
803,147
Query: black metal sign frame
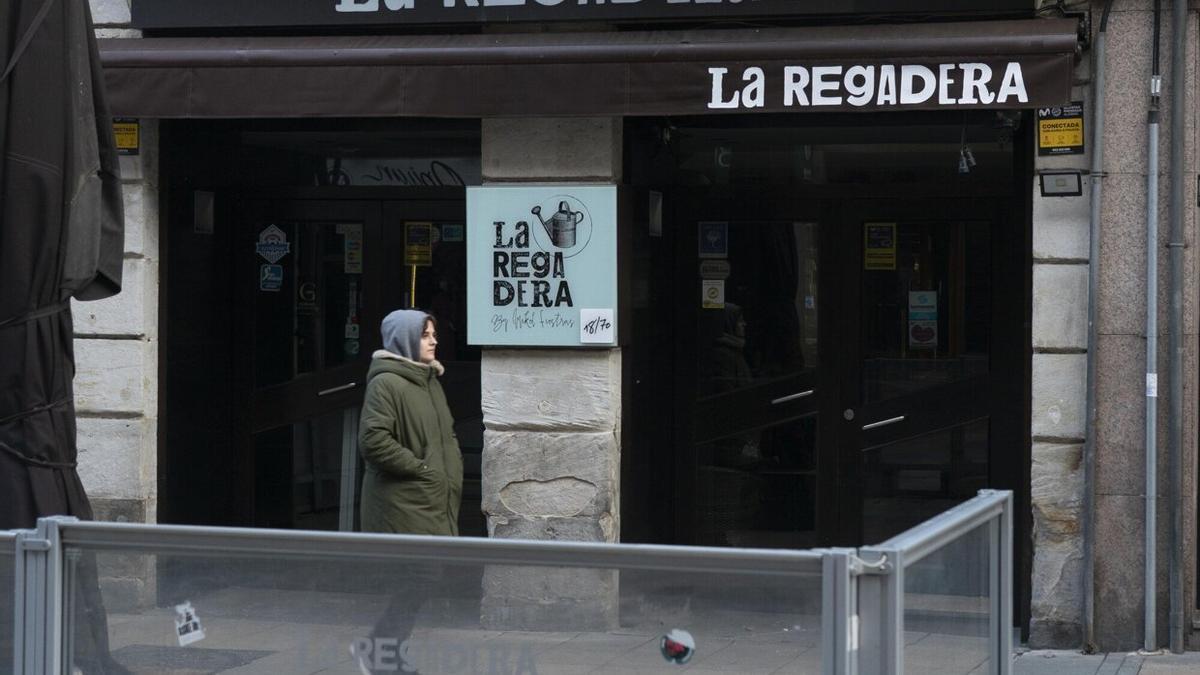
216,14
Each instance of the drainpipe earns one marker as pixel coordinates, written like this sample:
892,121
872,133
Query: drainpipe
1150,643
1175,445
1089,446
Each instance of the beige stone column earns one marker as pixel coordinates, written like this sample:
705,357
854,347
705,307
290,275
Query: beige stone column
552,418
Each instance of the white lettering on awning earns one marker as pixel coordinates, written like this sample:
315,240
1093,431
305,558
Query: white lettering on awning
947,84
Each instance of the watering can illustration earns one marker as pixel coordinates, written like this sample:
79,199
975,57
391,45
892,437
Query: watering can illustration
561,226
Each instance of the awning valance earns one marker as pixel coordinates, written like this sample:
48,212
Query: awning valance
990,64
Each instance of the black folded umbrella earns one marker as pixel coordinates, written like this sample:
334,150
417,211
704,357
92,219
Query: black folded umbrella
61,237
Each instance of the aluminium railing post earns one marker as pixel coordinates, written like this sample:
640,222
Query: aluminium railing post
881,617
1006,586
839,630
1000,574
40,606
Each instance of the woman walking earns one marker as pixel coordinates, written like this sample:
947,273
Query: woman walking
413,478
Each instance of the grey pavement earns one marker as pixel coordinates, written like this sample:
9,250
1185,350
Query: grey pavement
1048,662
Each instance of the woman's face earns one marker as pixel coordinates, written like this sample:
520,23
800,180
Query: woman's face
428,343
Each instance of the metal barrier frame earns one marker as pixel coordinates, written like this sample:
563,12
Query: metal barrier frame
862,613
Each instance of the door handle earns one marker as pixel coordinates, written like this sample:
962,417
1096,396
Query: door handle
882,423
792,397
334,390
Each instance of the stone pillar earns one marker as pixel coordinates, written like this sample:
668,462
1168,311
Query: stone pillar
552,418
1120,453
116,359
1059,374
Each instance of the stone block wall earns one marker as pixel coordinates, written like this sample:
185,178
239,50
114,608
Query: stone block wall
552,418
1061,260
116,360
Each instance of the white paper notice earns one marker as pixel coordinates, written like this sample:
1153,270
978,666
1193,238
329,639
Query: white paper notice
596,326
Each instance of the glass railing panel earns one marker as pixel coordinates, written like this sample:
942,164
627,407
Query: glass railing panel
217,613
7,589
947,608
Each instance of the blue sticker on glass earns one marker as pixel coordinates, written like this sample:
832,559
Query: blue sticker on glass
714,240
270,278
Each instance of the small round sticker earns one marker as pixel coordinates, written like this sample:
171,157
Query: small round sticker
677,647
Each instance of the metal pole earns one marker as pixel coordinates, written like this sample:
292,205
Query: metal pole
1089,446
1151,534
1175,444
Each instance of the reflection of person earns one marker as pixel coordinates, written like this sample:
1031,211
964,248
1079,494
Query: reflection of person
413,478
725,370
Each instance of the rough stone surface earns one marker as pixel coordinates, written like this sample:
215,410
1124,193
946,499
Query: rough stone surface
533,474
558,390
552,149
1118,572
554,529
116,457
1060,306
132,312
115,376
1056,496
110,12
1058,395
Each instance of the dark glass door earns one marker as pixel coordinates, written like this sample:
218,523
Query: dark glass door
305,289
314,278
839,365
918,389
751,472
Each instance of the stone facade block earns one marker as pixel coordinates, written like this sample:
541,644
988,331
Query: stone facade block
117,457
551,390
115,376
1121,412
1059,395
552,149
549,475
141,220
1060,300
1056,588
1061,225
131,313
110,12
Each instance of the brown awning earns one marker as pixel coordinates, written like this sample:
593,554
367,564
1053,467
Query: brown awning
990,64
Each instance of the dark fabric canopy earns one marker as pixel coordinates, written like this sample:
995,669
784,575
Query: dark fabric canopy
61,237
570,73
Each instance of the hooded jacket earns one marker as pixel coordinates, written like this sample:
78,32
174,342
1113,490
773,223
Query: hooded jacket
413,478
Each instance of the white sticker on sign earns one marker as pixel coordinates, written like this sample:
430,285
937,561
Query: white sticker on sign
187,625
596,326
1151,385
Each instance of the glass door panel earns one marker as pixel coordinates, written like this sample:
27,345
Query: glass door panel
754,421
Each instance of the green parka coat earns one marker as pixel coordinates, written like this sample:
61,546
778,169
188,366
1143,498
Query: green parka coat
413,478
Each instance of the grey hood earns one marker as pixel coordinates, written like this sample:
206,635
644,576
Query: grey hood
401,332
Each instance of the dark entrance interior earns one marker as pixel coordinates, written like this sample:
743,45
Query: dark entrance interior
846,353
285,246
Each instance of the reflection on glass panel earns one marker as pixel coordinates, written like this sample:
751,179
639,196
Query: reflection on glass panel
6,604
304,469
946,606
292,615
758,489
926,311
917,478
766,326
308,304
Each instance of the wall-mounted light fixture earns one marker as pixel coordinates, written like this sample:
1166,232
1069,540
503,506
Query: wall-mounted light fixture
1061,184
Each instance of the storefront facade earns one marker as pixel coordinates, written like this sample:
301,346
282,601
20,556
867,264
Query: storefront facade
841,301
